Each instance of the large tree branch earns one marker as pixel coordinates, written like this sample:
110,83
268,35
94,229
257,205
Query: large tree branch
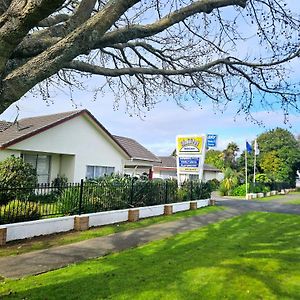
89,68
132,32
18,19
50,61
37,42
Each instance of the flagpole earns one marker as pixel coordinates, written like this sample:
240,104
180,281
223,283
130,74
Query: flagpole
254,168
246,172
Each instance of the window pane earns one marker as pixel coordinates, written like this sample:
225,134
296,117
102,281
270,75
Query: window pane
31,159
98,171
89,172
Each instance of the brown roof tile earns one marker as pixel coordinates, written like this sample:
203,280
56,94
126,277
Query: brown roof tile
28,127
136,150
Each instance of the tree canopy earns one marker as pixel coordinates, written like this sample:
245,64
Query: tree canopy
145,49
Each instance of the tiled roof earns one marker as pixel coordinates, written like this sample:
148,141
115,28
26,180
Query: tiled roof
136,150
27,127
12,133
4,125
170,162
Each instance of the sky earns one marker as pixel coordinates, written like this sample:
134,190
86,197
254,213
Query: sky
157,130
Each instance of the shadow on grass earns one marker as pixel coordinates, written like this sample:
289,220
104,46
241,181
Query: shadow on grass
254,256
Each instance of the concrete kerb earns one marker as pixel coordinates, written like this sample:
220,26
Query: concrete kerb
23,230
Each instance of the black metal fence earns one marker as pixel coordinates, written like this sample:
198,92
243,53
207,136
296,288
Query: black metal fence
19,204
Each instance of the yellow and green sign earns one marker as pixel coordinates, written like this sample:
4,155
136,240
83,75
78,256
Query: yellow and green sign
190,145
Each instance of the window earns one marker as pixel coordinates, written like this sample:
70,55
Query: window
42,165
98,171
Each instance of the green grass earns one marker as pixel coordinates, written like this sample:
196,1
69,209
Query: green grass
20,247
295,201
270,198
254,256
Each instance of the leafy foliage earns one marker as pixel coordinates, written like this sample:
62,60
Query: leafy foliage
14,172
19,211
279,155
215,158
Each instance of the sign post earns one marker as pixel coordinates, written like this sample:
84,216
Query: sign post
190,150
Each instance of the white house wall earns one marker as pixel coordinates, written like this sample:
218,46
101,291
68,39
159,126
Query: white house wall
54,166
79,137
7,153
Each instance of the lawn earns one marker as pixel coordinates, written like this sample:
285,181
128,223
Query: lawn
254,256
295,201
39,243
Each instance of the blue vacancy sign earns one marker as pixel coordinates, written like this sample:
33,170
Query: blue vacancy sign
189,165
211,140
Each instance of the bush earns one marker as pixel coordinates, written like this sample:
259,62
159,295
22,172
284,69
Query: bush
17,179
214,184
19,211
262,178
239,190
60,183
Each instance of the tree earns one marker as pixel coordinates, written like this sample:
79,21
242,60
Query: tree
215,158
279,155
230,154
143,49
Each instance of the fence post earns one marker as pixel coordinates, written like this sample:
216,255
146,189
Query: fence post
80,197
166,192
131,191
191,186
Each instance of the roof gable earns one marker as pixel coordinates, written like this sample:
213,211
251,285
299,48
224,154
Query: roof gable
13,133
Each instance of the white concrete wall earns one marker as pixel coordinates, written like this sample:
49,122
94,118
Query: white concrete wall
202,203
181,206
30,229
107,217
80,137
23,230
151,211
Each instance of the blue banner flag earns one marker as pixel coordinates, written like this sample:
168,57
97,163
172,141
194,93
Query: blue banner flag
248,147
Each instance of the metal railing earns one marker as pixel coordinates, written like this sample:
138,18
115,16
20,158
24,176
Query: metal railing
19,204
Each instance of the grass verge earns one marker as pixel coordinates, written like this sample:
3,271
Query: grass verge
295,201
253,256
45,242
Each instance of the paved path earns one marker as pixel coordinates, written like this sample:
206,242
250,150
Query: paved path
45,260
277,205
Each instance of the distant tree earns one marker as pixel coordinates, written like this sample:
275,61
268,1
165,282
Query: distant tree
279,155
215,158
230,154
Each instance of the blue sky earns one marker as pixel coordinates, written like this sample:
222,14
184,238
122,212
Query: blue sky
158,129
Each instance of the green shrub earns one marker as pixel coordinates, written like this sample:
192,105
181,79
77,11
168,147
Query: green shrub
214,184
60,183
17,179
69,201
19,211
262,178
239,190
